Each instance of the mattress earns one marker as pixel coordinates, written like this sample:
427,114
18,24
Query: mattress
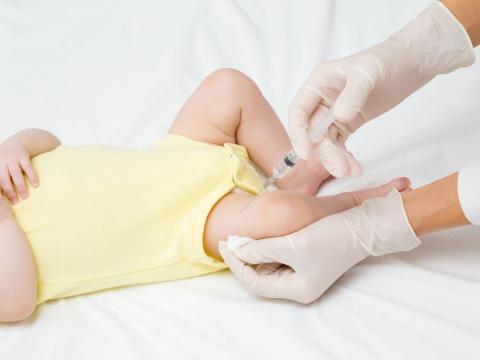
116,72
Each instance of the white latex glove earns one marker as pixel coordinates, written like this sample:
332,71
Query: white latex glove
302,265
367,84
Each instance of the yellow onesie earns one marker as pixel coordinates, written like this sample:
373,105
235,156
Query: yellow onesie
105,217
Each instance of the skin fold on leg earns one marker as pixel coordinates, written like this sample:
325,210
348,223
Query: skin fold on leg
228,107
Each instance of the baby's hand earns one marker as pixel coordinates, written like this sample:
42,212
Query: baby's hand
14,161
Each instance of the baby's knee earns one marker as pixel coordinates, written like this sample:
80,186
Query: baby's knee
286,210
230,81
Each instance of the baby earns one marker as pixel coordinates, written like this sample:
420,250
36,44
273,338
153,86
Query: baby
90,218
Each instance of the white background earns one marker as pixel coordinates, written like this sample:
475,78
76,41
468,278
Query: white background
116,72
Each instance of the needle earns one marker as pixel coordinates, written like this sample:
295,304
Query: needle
291,158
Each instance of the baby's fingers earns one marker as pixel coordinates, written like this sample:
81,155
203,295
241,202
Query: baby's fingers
27,167
17,177
6,184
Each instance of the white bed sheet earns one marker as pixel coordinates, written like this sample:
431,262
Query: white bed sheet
116,72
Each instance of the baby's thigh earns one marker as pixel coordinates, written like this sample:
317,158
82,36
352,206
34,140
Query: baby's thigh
224,220
266,215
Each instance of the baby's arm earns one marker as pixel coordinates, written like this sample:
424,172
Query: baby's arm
15,155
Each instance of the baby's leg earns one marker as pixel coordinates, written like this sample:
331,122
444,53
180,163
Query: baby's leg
18,280
228,107
279,213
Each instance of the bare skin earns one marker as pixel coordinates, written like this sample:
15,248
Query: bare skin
435,206
229,108
238,115
17,265
468,13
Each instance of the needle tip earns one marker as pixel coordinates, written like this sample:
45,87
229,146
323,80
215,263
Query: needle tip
269,182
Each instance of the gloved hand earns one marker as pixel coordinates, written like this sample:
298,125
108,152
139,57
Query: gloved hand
365,85
302,265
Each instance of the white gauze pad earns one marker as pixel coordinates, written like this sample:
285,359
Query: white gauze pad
235,242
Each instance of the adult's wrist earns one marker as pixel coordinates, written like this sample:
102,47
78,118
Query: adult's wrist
388,229
467,12
434,207
437,41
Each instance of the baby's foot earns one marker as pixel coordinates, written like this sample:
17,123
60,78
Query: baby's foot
306,177
401,184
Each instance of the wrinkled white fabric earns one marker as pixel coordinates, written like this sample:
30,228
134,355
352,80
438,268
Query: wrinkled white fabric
302,265
469,192
367,84
121,80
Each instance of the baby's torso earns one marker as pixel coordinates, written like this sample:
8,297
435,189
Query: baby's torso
111,216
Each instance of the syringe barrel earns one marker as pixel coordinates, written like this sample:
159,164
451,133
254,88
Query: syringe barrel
284,166
318,129
316,132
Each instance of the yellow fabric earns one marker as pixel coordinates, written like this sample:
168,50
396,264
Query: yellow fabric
105,217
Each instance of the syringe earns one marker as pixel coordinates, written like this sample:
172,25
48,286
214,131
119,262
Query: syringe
315,133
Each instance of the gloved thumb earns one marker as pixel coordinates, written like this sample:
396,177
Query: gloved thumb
300,111
270,280
268,268
298,125
337,160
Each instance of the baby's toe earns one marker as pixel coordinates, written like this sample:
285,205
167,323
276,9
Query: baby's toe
401,184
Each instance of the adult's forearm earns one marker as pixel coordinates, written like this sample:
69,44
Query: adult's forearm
468,13
36,141
435,206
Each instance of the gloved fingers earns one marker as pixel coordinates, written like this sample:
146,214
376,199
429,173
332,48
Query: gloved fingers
265,269
284,283
263,251
244,273
260,284
298,134
322,87
302,107
267,280
300,138
275,284
352,98
318,121
336,159
327,79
